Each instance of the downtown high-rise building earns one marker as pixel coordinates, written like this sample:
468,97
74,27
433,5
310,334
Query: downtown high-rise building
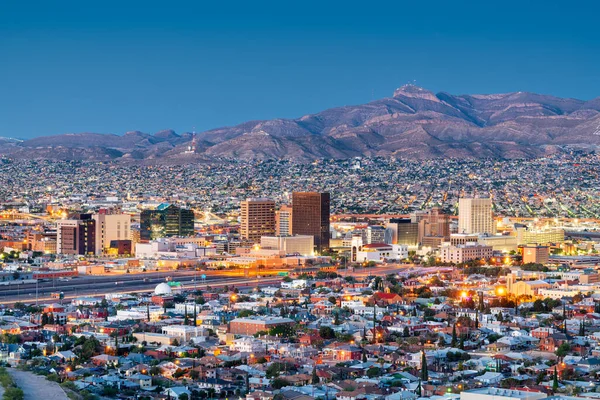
283,221
257,218
111,227
374,234
433,223
166,220
475,216
76,236
403,231
311,216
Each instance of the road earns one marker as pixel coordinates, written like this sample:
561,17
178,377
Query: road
36,387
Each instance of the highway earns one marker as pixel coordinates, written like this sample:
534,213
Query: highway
98,286
126,283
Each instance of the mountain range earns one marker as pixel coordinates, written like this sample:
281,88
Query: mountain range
414,123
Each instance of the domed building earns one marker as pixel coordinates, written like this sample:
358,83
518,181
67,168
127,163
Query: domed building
162,289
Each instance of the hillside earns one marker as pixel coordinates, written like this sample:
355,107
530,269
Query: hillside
414,123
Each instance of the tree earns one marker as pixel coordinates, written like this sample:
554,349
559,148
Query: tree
555,381
315,377
442,342
563,350
582,328
424,372
109,391
246,313
373,372
282,331
539,306
405,332
564,318
336,318
278,383
186,319
454,341
326,332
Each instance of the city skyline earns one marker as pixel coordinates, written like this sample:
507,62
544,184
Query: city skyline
300,200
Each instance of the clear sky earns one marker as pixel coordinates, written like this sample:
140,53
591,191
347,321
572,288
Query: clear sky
114,66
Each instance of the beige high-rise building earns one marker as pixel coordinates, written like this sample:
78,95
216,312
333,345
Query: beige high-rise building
283,221
258,219
111,227
475,216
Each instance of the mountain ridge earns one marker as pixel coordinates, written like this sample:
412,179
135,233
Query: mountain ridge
414,123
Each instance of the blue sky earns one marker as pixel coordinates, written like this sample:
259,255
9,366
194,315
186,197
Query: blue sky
111,67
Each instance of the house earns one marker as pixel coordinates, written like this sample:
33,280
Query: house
259,395
66,355
176,391
379,333
497,347
217,384
388,298
552,342
144,381
104,359
299,379
310,340
490,378
589,365
343,352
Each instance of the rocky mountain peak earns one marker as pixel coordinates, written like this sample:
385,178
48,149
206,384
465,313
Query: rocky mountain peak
414,91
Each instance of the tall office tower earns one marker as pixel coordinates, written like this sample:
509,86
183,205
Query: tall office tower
111,227
166,220
283,221
433,223
76,236
475,216
258,219
374,234
404,231
311,216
